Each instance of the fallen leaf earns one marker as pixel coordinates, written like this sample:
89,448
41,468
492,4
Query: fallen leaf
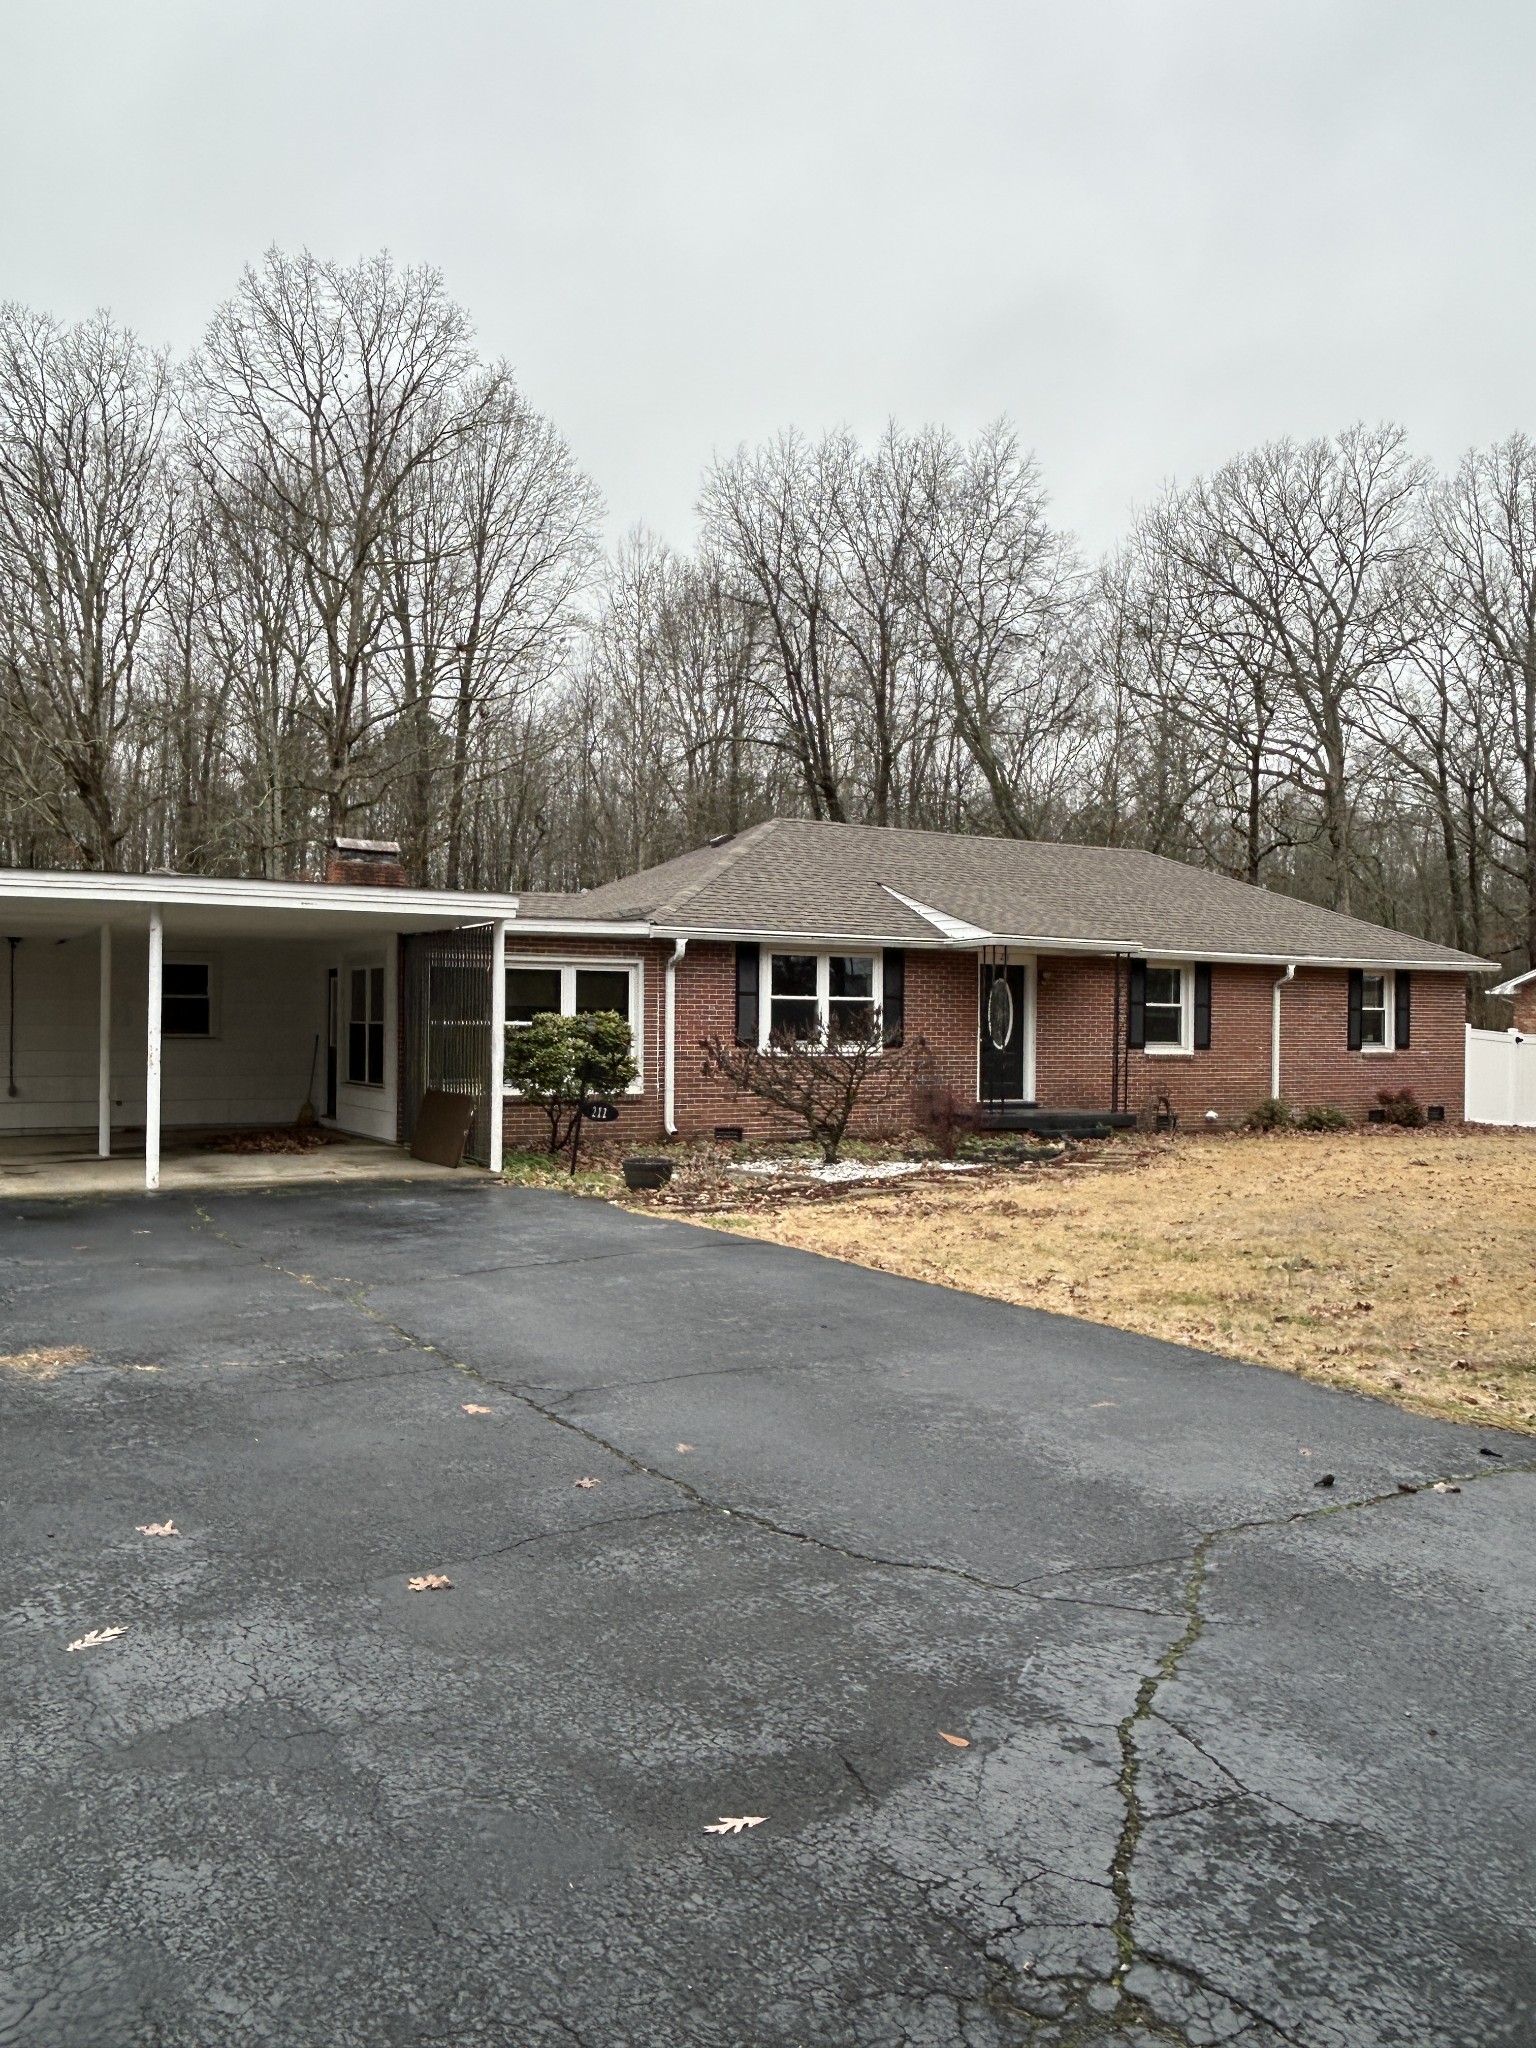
589,1482
1441,1486
92,1638
733,1825
474,1408
158,1529
685,1447
1326,1480
955,1741
1484,1452
430,1582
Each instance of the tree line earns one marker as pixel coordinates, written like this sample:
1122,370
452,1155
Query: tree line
334,574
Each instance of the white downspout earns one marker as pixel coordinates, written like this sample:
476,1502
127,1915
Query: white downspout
152,1061
1274,1033
669,1043
104,1049
498,1042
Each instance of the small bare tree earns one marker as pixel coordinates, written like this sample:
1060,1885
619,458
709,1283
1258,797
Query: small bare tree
811,1082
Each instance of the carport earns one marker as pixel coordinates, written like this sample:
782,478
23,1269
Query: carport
140,1003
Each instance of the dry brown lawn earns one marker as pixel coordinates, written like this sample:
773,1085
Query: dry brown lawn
1400,1263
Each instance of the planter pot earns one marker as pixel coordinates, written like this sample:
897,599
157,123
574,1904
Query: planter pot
641,1174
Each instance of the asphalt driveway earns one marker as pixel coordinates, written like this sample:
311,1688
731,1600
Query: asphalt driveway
1246,1757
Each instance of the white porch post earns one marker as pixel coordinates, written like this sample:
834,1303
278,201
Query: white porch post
498,1039
152,1062
104,1049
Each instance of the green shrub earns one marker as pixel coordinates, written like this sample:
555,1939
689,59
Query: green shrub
1321,1117
1401,1106
1272,1114
560,1064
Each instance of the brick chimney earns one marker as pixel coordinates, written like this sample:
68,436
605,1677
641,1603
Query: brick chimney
372,863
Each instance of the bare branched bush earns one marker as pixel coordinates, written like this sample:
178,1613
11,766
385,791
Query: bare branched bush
818,1086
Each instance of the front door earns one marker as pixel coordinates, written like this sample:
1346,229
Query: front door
331,993
1003,1025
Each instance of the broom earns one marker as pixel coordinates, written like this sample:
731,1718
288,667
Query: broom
307,1114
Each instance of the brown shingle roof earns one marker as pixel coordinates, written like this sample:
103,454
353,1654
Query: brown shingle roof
810,879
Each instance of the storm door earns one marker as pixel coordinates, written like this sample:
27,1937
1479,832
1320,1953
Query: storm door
1003,1025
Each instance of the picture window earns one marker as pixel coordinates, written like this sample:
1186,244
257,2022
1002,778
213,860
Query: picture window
821,998
566,989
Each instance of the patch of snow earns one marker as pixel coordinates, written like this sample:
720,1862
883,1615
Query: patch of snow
853,1169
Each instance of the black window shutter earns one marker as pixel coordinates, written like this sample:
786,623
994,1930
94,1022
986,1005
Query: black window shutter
1356,1004
747,958
1136,1007
893,1007
1203,1007
1402,1021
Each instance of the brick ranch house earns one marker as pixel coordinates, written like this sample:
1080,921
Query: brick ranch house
1045,982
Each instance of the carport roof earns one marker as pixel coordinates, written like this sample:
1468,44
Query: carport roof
209,906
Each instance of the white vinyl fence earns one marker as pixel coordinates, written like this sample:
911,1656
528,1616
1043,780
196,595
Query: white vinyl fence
1501,1077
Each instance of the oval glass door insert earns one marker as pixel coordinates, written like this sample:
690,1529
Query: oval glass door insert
1000,1013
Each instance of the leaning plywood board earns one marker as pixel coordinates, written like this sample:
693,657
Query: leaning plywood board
442,1127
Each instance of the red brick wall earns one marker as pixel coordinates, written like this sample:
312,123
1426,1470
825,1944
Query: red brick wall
639,1114
1316,1065
1073,1041
1075,1028
940,1007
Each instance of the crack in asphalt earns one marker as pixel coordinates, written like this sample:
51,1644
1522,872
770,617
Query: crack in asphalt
1130,2010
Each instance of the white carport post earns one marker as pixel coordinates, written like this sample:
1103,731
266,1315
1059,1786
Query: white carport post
104,1049
498,1039
152,1062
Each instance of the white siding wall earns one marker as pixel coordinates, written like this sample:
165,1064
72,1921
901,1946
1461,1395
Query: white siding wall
270,1000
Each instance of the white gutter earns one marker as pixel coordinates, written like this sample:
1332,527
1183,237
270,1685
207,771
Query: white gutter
1137,948
207,892
669,1043
1274,1033
586,927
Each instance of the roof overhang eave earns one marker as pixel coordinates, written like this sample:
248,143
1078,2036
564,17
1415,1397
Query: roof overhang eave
584,928
1024,942
245,908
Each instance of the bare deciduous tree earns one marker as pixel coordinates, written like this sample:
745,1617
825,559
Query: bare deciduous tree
86,528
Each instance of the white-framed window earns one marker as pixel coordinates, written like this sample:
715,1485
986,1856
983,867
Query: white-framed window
1169,1008
189,999
818,997
1376,1006
365,1026
575,988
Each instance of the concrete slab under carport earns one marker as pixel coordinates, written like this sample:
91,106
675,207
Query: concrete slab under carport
1247,1760
40,1166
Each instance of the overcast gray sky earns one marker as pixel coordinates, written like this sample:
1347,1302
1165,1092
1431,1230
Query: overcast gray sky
1149,231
